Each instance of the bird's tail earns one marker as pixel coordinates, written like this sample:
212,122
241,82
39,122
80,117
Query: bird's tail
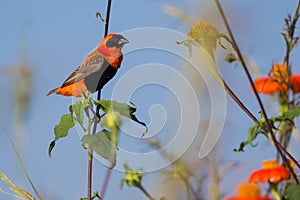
52,91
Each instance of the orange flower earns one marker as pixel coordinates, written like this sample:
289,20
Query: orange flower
266,85
277,81
249,191
295,83
271,172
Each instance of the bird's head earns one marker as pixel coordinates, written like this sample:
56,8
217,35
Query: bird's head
112,44
111,47
115,40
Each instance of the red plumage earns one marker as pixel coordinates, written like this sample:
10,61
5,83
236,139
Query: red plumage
96,69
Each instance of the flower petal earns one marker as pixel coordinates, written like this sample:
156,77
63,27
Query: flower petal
261,175
279,173
266,85
248,191
273,175
265,197
269,164
295,83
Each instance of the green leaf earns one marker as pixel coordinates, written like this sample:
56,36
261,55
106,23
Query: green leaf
79,107
51,146
241,147
293,192
258,128
291,114
286,116
252,134
102,144
62,129
66,122
95,195
122,108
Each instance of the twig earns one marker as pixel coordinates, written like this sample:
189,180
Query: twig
90,159
246,110
243,63
90,171
97,116
238,102
289,36
108,172
107,17
105,184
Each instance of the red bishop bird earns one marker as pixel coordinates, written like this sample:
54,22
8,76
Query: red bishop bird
96,69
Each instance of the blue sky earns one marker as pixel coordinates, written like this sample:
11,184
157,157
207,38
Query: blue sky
54,36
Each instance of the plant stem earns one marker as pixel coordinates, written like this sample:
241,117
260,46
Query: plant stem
107,17
106,180
90,170
274,191
145,192
97,117
239,102
90,161
108,172
245,109
243,63
289,37
105,34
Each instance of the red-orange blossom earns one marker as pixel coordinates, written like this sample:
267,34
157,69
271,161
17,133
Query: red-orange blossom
278,81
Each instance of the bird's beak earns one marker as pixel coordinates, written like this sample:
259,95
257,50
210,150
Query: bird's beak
123,41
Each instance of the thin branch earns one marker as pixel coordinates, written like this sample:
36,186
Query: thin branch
90,159
246,110
90,171
108,172
106,180
243,63
294,21
288,34
238,102
97,117
107,17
